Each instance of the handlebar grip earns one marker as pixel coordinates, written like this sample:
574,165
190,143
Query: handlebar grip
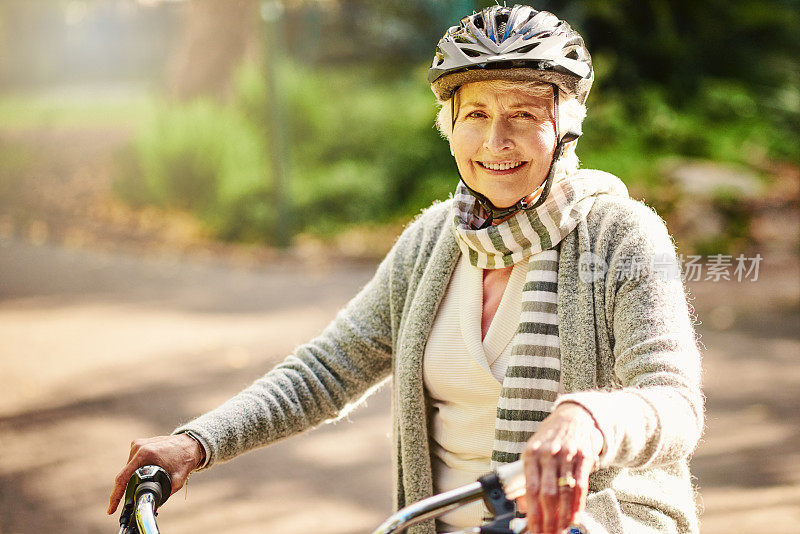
512,476
147,479
153,479
160,493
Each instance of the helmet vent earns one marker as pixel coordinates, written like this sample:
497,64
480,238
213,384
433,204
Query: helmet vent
501,21
572,54
471,53
527,48
501,31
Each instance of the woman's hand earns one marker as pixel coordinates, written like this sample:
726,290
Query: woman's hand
558,460
179,455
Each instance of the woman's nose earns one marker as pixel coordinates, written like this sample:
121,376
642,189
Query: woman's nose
498,137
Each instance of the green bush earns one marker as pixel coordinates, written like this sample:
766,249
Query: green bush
362,149
628,134
203,158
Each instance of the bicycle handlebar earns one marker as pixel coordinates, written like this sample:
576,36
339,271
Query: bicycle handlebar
146,514
497,490
431,507
148,488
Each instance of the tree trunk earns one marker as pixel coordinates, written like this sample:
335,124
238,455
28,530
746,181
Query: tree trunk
216,37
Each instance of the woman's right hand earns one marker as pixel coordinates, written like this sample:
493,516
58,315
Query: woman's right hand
178,454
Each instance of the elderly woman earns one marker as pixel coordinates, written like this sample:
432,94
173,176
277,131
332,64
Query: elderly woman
537,314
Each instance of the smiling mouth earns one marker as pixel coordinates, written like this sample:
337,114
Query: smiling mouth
501,166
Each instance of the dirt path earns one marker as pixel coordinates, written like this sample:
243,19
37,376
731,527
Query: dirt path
99,348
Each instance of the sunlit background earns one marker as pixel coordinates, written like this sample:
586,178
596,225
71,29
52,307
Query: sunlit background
182,183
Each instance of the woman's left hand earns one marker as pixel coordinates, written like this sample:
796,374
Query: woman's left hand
558,460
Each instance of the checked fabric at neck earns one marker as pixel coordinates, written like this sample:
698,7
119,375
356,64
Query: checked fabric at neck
532,378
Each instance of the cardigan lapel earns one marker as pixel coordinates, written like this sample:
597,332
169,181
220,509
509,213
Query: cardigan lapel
410,404
575,304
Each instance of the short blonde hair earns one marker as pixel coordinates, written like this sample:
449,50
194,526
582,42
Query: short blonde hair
570,116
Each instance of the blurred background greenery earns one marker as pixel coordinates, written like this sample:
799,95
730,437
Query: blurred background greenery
282,122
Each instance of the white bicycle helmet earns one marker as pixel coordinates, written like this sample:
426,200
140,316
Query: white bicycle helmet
512,43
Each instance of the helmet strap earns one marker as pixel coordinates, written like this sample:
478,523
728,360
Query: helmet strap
559,150
453,111
494,213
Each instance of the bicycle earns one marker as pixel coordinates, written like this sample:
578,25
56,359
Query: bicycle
150,486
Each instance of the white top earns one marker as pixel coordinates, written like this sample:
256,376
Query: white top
463,377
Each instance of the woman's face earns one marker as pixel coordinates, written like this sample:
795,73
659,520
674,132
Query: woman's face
503,141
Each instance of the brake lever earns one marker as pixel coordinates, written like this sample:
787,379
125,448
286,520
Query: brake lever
502,509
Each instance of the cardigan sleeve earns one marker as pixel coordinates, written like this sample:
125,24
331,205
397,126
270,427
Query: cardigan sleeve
312,385
653,415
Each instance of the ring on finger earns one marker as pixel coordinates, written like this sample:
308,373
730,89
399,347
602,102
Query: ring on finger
567,480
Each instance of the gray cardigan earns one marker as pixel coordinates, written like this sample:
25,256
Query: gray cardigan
628,355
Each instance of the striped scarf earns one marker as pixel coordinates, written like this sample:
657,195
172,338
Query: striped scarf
532,379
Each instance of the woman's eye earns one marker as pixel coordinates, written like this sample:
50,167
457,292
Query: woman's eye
476,115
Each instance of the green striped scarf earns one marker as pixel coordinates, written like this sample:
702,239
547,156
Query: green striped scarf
532,379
